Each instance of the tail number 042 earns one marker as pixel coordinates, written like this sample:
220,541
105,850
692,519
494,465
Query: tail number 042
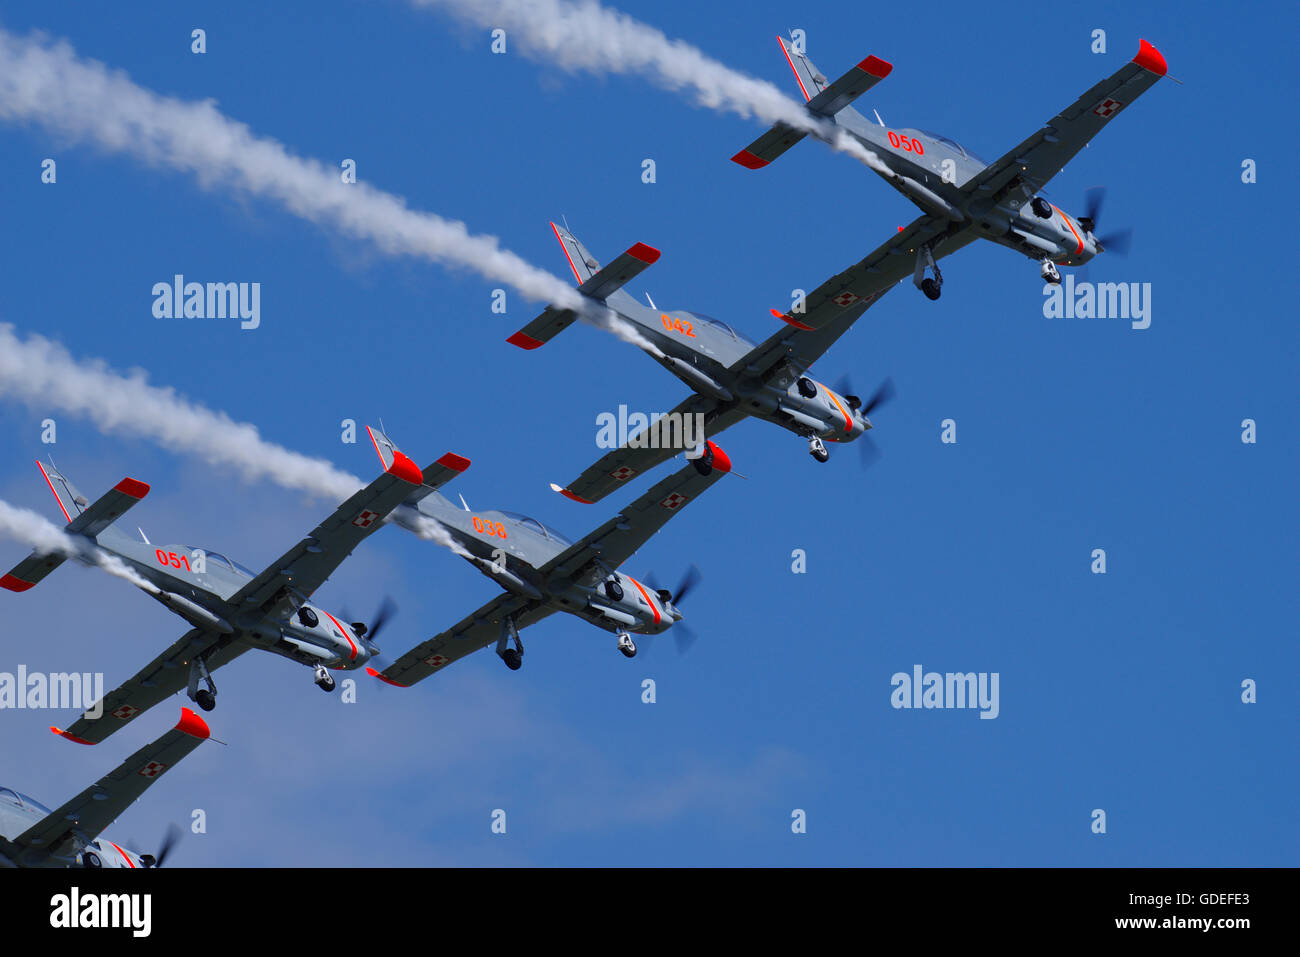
906,143
676,325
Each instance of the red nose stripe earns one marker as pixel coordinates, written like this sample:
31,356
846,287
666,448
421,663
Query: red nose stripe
353,656
654,606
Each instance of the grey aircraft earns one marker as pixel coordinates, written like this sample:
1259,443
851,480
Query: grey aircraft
231,608
730,377
963,197
543,572
31,835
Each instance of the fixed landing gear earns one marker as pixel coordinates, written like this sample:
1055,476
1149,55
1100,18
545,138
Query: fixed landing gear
627,645
817,449
924,261
1050,273
205,698
324,680
513,657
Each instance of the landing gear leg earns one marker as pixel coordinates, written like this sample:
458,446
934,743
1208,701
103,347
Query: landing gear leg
924,261
626,645
817,449
205,698
513,657
1050,273
324,680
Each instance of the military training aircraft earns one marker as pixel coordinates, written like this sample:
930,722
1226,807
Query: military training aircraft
731,377
31,835
231,608
963,197
543,572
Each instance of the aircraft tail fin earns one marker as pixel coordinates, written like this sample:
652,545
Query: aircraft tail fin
824,100
84,518
434,476
594,281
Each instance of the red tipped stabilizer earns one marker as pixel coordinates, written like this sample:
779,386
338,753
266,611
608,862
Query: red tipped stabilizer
405,469
524,341
15,584
876,67
646,254
129,486
388,681
70,737
192,724
457,463
748,160
1149,58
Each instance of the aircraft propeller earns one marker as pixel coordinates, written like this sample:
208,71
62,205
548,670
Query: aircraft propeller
387,608
1116,242
172,835
867,448
683,635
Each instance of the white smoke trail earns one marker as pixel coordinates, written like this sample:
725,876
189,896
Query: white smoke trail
44,375
45,83
583,35
44,536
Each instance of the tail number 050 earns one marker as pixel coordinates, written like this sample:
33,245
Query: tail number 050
906,143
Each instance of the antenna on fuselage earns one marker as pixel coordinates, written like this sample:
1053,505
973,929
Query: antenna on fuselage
143,536
465,503
651,301
878,119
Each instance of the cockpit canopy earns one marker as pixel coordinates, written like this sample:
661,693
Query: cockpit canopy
954,145
533,525
219,559
16,797
721,326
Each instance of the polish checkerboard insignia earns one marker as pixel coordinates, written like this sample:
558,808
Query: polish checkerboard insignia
622,473
1106,107
676,500
126,712
152,769
435,661
365,519
845,299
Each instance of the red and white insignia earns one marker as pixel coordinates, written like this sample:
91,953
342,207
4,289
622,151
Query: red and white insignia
622,473
1106,107
435,661
365,519
152,769
845,299
676,500
126,711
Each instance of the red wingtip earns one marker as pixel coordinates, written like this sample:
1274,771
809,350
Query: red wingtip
576,498
15,584
388,681
405,469
1149,58
457,463
192,724
876,66
71,737
129,486
721,460
748,160
794,322
647,254
524,341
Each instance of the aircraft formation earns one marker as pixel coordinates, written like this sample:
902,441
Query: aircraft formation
229,609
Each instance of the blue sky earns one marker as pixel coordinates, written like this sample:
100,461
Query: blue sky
1118,691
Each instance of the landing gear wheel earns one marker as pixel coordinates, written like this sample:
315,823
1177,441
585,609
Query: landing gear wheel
1041,207
613,590
205,699
807,388
930,288
513,659
1050,273
627,646
325,684
817,449
91,859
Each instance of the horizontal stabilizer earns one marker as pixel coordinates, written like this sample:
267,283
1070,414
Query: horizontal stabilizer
433,477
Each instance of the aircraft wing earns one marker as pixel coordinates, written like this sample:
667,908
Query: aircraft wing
658,444
618,539
480,629
160,679
875,275
1044,154
305,567
95,808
